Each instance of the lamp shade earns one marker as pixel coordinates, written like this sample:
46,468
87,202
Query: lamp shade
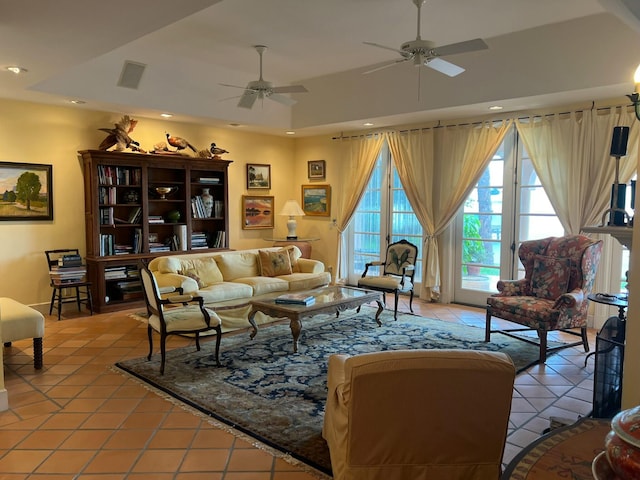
292,209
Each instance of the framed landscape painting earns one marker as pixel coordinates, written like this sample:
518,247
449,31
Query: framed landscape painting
257,212
26,191
258,176
316,200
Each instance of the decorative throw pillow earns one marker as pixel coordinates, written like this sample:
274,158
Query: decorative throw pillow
294,255
274,263
550,276
194,275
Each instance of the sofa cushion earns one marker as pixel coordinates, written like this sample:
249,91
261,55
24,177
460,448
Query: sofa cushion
262,285
238,265
193,275
221,292
169,265
550,276
275,263
306,281
205,268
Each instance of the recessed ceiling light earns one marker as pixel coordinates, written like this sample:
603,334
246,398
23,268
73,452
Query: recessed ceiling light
17,70
368,124
290,132
77,102
495,107
166,115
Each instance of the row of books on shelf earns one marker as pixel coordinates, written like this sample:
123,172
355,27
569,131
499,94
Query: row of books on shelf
107,216
121,272
60,275
198,209
156,219
107,195
209,180
108,175
296,299
200,240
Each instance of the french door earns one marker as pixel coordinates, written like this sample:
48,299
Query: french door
507,206
383,216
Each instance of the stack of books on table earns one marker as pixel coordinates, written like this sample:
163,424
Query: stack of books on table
296,299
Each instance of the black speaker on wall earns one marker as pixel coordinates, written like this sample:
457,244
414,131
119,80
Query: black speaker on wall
619,141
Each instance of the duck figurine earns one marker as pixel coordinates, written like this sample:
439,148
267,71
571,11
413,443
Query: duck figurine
217,151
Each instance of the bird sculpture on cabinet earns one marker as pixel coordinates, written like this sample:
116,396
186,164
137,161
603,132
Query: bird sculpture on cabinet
119,136
217,151
179,143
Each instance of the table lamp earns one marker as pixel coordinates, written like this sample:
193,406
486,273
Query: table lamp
293,210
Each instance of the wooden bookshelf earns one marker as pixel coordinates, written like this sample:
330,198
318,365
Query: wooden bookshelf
140,206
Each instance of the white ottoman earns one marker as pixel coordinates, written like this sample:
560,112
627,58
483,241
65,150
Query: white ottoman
18,322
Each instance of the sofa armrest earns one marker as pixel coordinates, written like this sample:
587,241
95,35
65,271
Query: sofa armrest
570,300
177,281
308,265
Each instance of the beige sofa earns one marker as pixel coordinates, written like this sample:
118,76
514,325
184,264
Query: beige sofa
228,280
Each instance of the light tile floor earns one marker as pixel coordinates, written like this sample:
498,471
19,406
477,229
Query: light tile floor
79,419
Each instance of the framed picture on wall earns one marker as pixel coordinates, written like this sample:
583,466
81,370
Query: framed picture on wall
257,212
316,200
258,176
316,169
26,191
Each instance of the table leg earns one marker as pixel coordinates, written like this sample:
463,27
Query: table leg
296,328
380,309
252,321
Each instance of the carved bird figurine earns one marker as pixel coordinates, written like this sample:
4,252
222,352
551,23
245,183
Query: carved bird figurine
119,136
217,151
179,143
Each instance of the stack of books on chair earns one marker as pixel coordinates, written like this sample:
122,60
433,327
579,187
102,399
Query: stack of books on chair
296,299
62,275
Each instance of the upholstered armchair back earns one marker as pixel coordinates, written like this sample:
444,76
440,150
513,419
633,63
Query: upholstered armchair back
418,414
400,255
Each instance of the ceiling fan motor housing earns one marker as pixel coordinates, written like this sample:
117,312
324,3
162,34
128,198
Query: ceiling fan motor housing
419,46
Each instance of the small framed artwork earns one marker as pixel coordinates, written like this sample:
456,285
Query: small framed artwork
26,191
257,212
258,176
316,200
316,169
153,237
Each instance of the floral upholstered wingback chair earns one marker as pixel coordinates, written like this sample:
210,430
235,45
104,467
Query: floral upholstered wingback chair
559,274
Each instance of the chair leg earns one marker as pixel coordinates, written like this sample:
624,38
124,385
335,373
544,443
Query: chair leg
487,328
585,339
59,303
395,305
543,345
218,338
53,299
198,341
37,353
150,335
411,301
78,298
163,352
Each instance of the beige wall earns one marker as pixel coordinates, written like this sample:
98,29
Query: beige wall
37,133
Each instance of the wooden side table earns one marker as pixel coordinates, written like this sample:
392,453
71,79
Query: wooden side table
564,453
304,244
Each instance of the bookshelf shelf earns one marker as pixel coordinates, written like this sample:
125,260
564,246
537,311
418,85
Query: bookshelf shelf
128,222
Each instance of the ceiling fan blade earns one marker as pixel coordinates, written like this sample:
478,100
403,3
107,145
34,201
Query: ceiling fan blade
229,98
401,52
247,99
232,86
386,65
443,66
461,47
290,89
281,99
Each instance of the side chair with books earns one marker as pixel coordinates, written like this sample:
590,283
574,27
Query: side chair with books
68,278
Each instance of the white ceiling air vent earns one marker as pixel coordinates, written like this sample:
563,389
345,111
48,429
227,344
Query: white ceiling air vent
131,74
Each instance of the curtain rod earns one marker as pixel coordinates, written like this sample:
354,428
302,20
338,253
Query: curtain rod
598,109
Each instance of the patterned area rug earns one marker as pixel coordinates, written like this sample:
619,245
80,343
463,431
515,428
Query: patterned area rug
277,397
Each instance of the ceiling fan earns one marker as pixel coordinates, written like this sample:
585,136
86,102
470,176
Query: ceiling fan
262,89
424,52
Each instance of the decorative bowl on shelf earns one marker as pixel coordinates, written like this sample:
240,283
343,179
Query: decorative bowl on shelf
173,216
164,191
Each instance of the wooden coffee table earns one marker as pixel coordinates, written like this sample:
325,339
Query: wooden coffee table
332,299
